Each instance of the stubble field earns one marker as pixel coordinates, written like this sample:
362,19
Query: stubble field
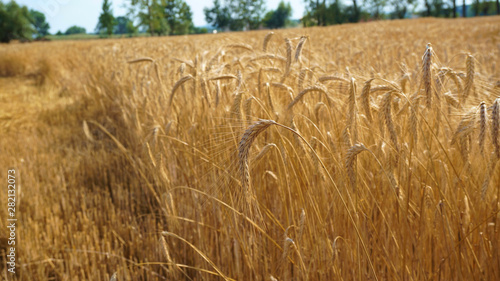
353,152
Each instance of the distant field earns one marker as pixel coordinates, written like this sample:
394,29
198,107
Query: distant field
353,152
91,36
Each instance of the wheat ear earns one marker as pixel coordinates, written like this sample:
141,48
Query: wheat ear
365,100
266,40
217,93
302,76
469,79
236,107
299,48
426,74
352,114
482,125
288,59
244,147
495,126
386,108
350,162
177,85
247,108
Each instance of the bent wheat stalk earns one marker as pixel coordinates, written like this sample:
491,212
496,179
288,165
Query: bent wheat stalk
350,162
266,41
305,91
177,85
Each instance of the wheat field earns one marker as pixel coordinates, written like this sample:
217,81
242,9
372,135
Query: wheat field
354,152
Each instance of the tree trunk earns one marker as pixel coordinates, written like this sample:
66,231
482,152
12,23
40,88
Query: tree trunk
428,7
323,13
150,16
463,9
356,12
454,8
318,13
498,7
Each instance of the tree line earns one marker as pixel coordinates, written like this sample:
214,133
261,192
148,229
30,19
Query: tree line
174,17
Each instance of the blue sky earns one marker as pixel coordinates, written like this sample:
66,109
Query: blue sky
62,14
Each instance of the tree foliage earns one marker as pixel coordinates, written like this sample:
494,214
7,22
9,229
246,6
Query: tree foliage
40,25
15,22
178,16
150,15
106,19
75,30
279,17
400,8
219,15
236,14
316,13
123,25
163,17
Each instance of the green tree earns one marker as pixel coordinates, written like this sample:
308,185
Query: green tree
236,14
246,14
75,30
123,25
437,8
400,7
39,23
178,16
219,16
279,17
150,15
454,8
106,19
15,22
339,14
376,7
316,13
356,12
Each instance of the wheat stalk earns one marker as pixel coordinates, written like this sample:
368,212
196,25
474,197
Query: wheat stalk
269,57
239,46
489,173
315,88
324,79
264,150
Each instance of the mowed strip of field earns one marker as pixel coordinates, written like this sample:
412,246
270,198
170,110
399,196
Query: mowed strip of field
129,154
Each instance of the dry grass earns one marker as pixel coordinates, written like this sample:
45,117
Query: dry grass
139,158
